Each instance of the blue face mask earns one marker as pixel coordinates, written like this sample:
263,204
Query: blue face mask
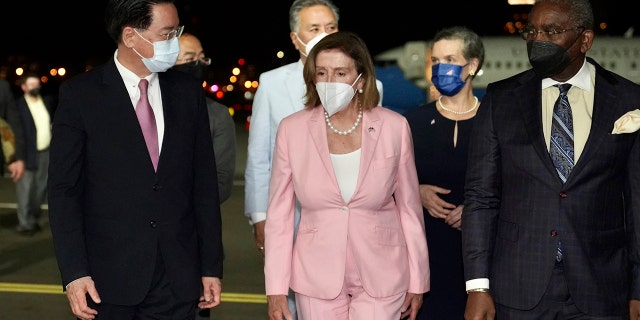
446,78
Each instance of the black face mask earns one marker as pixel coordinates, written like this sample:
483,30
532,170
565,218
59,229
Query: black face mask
195,68
34,92
547,58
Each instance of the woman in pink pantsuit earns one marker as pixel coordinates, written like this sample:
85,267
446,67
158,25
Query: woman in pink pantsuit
360,251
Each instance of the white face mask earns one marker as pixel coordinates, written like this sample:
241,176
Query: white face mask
335,96
309,45
165,54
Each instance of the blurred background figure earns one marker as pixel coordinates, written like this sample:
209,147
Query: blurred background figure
281,93
36,113
441,133
12,138
192,60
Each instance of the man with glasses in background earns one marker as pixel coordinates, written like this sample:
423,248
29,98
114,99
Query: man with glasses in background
551,219
192,60
133,192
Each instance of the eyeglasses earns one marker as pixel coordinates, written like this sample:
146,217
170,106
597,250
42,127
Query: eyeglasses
175,33
531,33
197,61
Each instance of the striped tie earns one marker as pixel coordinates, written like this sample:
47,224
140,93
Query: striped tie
561,148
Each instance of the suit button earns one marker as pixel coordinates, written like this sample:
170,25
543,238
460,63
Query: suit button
553,233
344,209
156,187
153,224
563,195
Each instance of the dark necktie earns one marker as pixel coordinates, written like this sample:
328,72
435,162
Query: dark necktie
561,147
148,123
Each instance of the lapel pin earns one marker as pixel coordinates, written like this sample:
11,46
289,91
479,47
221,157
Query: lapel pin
371,129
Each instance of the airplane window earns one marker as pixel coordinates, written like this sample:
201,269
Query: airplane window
508,65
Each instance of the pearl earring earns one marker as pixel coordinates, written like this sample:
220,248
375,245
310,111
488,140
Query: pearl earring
360,90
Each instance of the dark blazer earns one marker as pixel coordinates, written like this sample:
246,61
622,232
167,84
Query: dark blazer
111,215
223,134
517,207
29,129
9,113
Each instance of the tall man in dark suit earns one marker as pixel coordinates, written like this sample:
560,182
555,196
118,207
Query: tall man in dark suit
520,211
136,237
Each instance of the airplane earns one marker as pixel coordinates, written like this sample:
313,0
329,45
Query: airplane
504,56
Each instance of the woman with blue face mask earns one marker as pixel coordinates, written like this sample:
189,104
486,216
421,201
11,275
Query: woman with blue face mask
440,131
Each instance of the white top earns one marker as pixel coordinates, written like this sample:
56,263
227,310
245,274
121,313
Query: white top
346,167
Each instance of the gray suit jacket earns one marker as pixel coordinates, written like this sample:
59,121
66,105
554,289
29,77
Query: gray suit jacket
223,134
516,206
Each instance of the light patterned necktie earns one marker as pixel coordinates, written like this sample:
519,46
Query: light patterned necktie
148,123
561,147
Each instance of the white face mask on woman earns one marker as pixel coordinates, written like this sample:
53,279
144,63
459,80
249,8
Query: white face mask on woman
335,96
165,54
309,45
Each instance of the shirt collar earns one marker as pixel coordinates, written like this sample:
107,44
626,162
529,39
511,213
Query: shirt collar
582,79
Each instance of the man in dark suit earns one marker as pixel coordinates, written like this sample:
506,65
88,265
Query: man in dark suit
519,210
36,111
136,236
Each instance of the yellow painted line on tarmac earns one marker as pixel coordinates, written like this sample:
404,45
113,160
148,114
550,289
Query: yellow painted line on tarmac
57,289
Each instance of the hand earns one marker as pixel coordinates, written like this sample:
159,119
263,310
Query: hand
454,219
634,309
77,295
479,307
17,170
278,307
211,294
436,207
258,233
411,306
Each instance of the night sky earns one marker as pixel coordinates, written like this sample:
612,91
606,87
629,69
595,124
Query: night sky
54,32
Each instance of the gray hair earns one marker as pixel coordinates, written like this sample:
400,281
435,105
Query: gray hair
297,5
579,11
472,46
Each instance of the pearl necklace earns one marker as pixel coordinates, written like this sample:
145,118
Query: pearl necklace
475,105
343,132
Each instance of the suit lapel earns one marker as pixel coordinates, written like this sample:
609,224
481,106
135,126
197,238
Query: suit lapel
294,82
372,126
318,134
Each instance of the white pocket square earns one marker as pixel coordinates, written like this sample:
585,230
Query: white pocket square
628,123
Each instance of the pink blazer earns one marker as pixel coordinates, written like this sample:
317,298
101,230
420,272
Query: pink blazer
383,221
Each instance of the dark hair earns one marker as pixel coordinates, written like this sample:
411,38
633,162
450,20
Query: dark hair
472,46
129,13
354,47
23,79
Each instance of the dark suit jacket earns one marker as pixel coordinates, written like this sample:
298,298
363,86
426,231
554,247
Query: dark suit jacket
111,215
223,134
515,200
9,113
29,129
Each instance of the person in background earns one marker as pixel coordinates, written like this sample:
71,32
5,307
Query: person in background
36,112
223,130
551,219
14,162
359,252
281,93
133,193
441,133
